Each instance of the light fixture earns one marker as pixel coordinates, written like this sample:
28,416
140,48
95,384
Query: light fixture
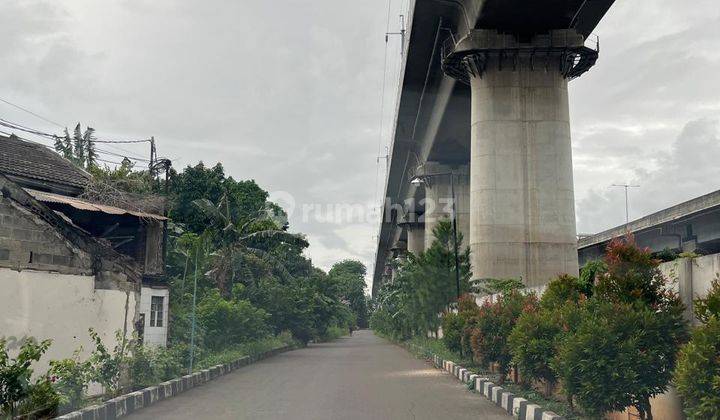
417,180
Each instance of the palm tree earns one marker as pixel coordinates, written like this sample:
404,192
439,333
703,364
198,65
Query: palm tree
238,239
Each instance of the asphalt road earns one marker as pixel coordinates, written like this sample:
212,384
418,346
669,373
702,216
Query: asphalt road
358,377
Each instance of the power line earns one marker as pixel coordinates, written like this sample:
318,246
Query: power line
20,127
382,104
30,112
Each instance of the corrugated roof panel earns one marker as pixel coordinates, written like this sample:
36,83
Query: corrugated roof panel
88,206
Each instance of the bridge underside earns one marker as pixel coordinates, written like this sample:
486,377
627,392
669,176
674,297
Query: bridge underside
435,113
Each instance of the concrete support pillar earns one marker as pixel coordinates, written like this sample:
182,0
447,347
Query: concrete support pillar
416,238
522,219
415,230
439,199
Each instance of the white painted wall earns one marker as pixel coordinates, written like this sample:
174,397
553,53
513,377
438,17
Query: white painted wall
61,307
154,336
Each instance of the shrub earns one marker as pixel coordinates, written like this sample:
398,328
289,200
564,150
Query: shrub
632,275
452,327
631,346
494,322
15,384
42,400
468,311
105,365
628,336
534,339
227,322
708,307
698,369
70,378
152,365
564,289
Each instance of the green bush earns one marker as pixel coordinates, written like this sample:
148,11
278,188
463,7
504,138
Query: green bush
15,374
70,378
630,346
698,372
227,322
42,400
697,376
494,322
106,365
533,343
152,365
564,289
628,335
534,339
452,328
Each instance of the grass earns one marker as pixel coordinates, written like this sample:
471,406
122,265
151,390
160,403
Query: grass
333,333
252,348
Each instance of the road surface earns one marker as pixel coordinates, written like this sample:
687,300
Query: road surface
358,377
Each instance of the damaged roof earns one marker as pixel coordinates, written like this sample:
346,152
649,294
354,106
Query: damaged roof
79,204
35,165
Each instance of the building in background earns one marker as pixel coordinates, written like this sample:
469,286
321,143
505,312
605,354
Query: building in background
68,264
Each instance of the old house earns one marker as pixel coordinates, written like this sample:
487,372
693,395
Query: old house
68,264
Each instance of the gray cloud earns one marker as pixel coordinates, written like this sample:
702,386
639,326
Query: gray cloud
288,93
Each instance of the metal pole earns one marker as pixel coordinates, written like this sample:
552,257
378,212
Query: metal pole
455,241
192,329
627,212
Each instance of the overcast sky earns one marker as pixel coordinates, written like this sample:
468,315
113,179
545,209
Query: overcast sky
288,93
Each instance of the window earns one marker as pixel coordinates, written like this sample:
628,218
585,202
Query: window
156,311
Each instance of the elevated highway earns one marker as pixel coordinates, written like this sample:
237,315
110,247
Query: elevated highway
483,98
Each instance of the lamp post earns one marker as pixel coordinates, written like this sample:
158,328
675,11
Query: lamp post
424,180
627,211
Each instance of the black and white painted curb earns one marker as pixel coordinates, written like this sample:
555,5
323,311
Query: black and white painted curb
128,403
518,407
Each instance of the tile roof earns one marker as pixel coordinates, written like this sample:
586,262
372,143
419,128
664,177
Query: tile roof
35,161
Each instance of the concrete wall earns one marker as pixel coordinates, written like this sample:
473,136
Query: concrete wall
49,289
692,277
61,307
26,241
154,336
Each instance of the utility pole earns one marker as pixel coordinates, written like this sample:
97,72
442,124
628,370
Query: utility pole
402,34
455,236
153,156
192,330
627,207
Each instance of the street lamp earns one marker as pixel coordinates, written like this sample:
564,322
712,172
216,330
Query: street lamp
418,180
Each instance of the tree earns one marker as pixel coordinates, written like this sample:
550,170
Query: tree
350,277
80,148
234,239
423,288
629,335
698,368
244,199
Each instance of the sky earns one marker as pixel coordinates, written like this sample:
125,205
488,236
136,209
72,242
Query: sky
289,93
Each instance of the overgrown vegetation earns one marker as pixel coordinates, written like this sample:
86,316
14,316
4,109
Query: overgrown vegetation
239,285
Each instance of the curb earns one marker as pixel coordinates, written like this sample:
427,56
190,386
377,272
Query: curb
520,408
125,404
